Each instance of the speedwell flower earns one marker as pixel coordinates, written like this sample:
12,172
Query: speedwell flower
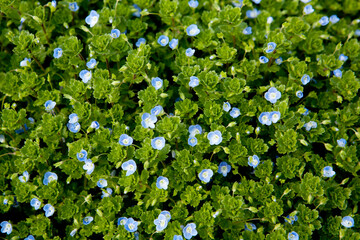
24,177
293,236
190,230
224,168
250,227
341,142
6,227
157,83
73,6
235,112
324,21
49,105
192,141
74,127
57,52
291,219
343,57
308,126
192,30
347,222
275,116
163,40
161,222
115,33
85,75
92,19
337,73
193,3
162,182
226,106
308,9
148,120
195,129
189,52
95,124
129,166
49,177
252,13
253,161
89,166
194,81
125,140
173,43
215,137
247,31
263,59
305,79
87,220
299,94
91,63
156,110
265,118
158,143
26,62
82,155
73,118
121,221
334,19
328,171
131,225
270,47
102,183
30,237
205,175
140,41
49,210
106,193
272,95
35,203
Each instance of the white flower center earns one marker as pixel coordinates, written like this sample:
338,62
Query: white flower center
125,141
162,223
193,31
130,167
94,19
205,174
163,41
192,141
122,222
272,95
131,226
158,143
87,75
215,138
224,169
189,230
264,118
158,84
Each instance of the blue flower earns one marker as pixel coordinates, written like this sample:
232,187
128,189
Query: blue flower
102,183
140,41
94,124
30,237
299,94
6,227
275,116
247,31
74,127
272,95
328,171
347,222
106,193
250,227
115,33
91,63
58,52
190,230
253,161
291,219
125,140
72,233
138,11
73,6
308,126
49,177
82,155
85,75
173,43
122,221
157,83
49,105
88,166
237,3
305,1
279,60
195,129
131,225
337,73
308,9
293,236
163,40
224,168
25,62
148,121
35,203
156,110
194,81
24,177
49,210
53,3
192,141
263,59
334,19
324,21
306,112
87,220
166,214
5,201
270,47
129,166
357,32
343,57
161,222
341,142
189,52
73,118
92,19
193,3
265,118
215,137
235,112
305,79
269,20
158,143
192,30
226,106
205,175
178,237
252,13
162,182
256,1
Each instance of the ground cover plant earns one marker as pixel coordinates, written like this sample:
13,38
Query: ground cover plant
179,119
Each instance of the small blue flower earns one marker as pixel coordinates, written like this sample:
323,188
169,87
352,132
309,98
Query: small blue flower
158,143
324,21
270,47
247,31
263,59
256,1
74,127
24,177
53,3
193,3
178,237
148,121
140,41
357,32
102,183
30,237
279,60
250,227
215,137
347,222
293,236
299,94
125,140
73,6
341,142
291,219
26,62
87,220
129,166
115,33
334,19
82,155
306,112
95,124
35,203
173,43
305,1
265,118
92,19
106,193
6,227
85,75
49,210
122,221
166,214
88,166
138,11
49,105
192,30
235,112
5,201
91,63
161,222
252,13
189,52
49,177
343,57
253,161
275,116
337,73
195,129
305,79
205,175
156,110
237,3
131,225
190,230
58,52
308,9
328,171
73,118
224,168
163,40
226,106
308,126
272,95
157,83
194,81
269,20
192,141
73,232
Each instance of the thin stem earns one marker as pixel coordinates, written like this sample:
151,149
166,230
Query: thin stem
2,104
108,67
44,30
11,153
38,63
